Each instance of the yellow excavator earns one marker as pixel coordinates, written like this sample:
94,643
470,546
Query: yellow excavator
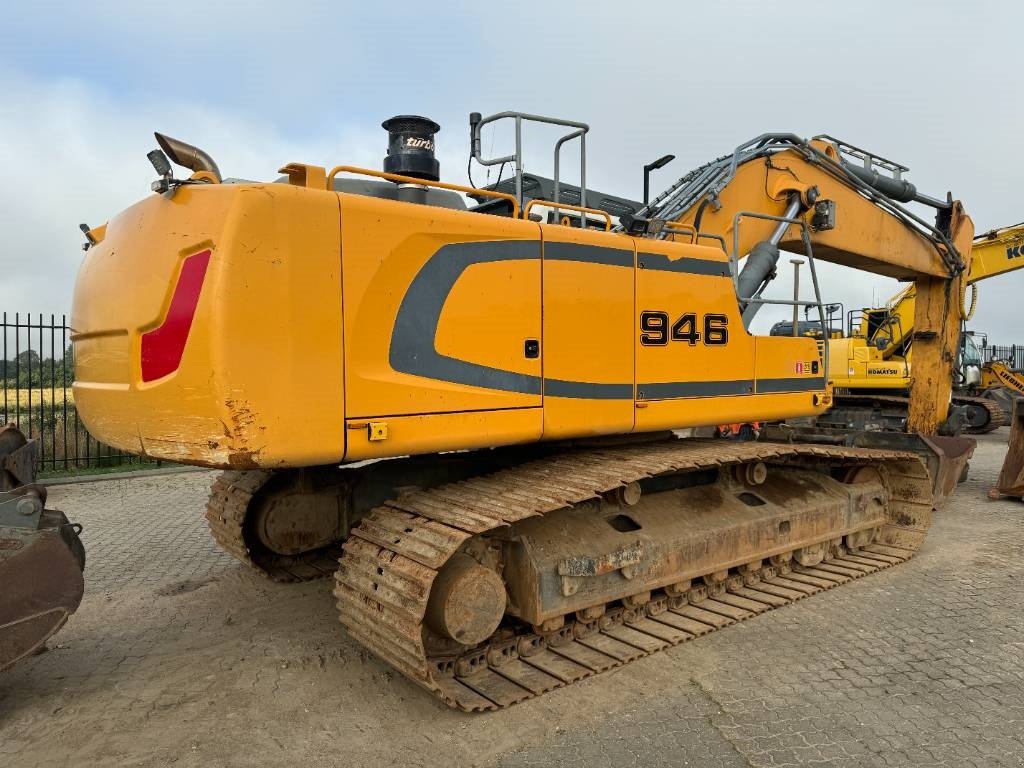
1001,382
870,365
993,379
468,415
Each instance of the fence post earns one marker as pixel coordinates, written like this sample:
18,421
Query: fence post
37,419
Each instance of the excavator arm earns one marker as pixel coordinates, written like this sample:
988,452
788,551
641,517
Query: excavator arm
886,334
843,205
996,252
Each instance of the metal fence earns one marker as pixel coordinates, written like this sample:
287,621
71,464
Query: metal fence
1014,354
36,372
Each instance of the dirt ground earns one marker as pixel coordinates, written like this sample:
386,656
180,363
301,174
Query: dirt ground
179,656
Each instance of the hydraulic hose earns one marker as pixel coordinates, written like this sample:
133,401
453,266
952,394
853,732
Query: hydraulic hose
968,314
760,267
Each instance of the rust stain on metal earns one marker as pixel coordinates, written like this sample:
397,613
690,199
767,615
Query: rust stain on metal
241,455
596,565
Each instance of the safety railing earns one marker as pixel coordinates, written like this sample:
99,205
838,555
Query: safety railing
36,373
399,179
757,299
579,132
565,206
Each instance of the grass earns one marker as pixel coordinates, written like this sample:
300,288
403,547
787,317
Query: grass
137,465
21,397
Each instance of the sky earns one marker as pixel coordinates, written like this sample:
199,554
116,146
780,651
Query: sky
259,84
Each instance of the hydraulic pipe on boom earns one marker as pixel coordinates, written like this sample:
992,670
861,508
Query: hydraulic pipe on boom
759,269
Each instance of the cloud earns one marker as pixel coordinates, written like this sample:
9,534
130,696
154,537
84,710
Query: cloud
259,85
77,153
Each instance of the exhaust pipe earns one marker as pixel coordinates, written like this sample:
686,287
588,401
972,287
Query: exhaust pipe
187,155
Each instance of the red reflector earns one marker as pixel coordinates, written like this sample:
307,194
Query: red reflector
162,347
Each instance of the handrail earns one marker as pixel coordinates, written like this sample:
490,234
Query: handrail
678,228
476,123
756,299
717,238
423,183
579,208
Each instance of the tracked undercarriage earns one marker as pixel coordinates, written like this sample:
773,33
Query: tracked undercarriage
488,589
877,411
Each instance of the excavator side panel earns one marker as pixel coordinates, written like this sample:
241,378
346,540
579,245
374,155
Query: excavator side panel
996,373
448,349
696,364
589,311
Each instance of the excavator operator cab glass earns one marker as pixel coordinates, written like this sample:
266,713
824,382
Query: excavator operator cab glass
970,361
969,352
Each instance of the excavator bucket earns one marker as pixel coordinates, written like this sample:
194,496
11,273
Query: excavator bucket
948,463
1011,476
945,458
41,555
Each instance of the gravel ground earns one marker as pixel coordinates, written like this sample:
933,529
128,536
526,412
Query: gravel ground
179,656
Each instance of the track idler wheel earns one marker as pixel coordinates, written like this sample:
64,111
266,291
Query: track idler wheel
467,601
976,417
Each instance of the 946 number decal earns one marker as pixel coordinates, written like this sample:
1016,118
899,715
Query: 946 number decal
656,330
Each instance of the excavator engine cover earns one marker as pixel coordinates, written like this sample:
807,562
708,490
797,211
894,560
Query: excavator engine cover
41,556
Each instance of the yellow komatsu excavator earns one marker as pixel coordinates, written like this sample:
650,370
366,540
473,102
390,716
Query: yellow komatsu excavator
871,366
465,415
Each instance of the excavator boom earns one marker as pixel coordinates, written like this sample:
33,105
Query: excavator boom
780,192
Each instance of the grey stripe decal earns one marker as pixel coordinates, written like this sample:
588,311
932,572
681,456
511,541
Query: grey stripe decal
412,339
585,391
789,385
663,263
590,254
670,390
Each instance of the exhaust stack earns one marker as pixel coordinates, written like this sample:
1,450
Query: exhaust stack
411,147
187,155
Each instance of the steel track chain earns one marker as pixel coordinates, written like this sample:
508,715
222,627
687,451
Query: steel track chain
230,496
996,415
385,575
